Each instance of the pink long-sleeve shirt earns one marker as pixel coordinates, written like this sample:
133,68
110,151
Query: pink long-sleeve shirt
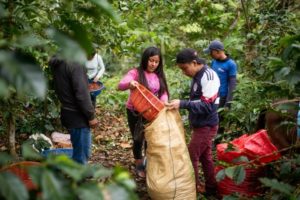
153,83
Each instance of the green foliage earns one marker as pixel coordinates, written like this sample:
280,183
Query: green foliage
59,177
278,186
12,187
22,72
283,178
25,25
242,116
111,98
262,36
236,173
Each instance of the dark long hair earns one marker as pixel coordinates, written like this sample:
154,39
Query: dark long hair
149,52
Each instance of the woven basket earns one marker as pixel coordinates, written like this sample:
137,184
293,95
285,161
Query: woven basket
146,103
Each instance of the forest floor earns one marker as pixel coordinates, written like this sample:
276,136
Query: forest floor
112,146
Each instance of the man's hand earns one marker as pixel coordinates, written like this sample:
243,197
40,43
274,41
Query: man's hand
93,123
133,84
174,104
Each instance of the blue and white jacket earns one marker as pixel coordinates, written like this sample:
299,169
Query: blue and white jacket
203,102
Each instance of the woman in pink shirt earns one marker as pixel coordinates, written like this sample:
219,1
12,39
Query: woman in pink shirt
150,74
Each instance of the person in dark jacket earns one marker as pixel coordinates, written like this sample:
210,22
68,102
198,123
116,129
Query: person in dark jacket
77,111
203,116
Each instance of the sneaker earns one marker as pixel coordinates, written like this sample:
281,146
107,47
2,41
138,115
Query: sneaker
140,170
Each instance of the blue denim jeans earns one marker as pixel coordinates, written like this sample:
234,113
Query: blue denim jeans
81,142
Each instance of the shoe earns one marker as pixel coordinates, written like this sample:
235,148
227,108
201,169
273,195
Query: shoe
200,188
212,194
140,170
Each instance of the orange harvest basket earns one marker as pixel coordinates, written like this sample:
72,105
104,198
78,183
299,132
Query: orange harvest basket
20,169
146,103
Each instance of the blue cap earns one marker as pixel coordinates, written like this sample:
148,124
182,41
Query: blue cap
214,45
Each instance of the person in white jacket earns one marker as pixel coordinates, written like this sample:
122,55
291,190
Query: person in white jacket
95,70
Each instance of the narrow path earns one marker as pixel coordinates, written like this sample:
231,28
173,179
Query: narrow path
112,146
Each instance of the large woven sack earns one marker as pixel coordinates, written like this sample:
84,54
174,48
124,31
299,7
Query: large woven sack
170,172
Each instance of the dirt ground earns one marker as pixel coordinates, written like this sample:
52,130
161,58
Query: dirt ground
112,146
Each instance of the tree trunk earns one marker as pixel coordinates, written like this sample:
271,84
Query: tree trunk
12,134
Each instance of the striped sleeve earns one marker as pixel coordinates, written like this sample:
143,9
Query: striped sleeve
210,85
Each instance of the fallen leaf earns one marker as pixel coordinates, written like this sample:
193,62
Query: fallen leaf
125,145
98,137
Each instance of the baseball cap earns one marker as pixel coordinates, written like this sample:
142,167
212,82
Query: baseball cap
188,55
214,45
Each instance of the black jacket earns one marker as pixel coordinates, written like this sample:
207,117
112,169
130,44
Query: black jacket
71,86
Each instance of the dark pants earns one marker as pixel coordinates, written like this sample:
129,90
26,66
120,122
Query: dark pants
93,98
136,123
221,105
200,150
81,142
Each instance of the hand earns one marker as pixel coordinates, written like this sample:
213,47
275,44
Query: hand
133,84
174,104
96,79
93,123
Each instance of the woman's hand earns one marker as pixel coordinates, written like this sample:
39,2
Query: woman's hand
174,104
133,84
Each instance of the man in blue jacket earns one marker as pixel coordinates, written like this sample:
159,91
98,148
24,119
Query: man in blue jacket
226,69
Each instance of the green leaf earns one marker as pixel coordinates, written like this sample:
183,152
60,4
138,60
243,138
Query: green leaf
102,173
68,166
128,183
293,78
5,159
236,173
4,91
36,173
230,147
285,168
218,6
69,49
106,7
119,193
232,4
51,187
21,71
12,188
240,159
276,185
80,35
29,153
29,40
239,174
3,12
231,197
90,191
220,175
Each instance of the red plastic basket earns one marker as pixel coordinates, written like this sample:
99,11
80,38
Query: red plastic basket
251,185
146,103
20,170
